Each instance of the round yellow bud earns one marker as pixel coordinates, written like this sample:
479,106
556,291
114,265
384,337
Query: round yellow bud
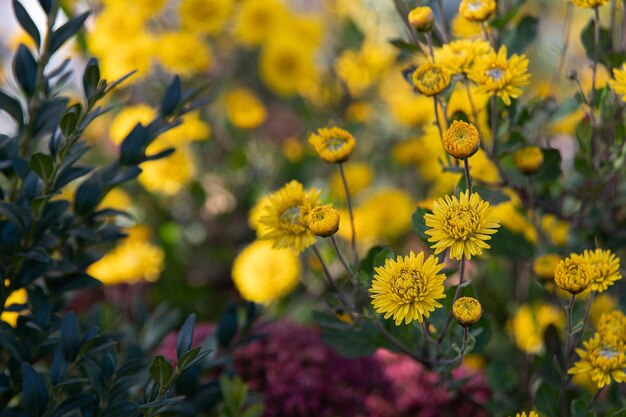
467,311
333,145
545,265
422,19
573,274
430,79
461,140
528,160
477,10
323,221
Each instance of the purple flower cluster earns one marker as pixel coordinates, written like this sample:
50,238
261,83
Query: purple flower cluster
300,376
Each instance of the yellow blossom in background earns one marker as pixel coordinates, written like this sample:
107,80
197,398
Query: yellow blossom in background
477,10
359,112
21,38
133,260
192,129
458,57
132,55
604,267
255,214
285,217
116,199
16,297
422,18
205,16
589,4
530,414
573,274
125,121
495,74
528,159
618,85
285,65
430,79
183,53
257,19
358,176
545,265
466,310
462,224
293,150
140,9
461,140
530,322
263,274
556,230
308,29
408,288
323,221
113,27
244,109
602,303
361,69
333,145
604,362
464,28
406,107
167,175
512,215
612,327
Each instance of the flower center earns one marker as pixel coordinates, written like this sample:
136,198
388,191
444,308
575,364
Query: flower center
475,5
334,144
496,74
430,78
607,352
292,219
409,285
461,222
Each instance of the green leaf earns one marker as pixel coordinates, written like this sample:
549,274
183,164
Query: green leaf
70,120
42,165
161,371
547,400
26,22
70,336
419,223
69,29
171,98
579,408
34,391
587,39
227,325
506,243
405,46
255,410
91,79
551,168
25,70
12,107
376,257
185,337
524,34
491,195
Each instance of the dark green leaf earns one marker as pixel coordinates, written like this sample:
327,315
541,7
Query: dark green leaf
26,22
161,371
491,195
34,391
551,168
227,325
73,403
405,46
419,223
547,400
70,120
42,165
25,70
132,150
506,243
91,77
524,34
171,98
185,336
12,107
70,336
588,41
87,197
69,29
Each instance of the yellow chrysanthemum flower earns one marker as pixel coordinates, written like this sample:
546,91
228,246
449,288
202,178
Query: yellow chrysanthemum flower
477,10
422,18
205,16
244,109
360,69
461,140
612,327
170,174
529,324
602,303
545,265
458,57
406,107
257,19
618,85
604,362
467,310
528,159
462,224
407,288
334,145
16,297
285,65
133,260
530,414
263,274
323,221
183,53
430,79
556,230
573,274
358,176
293,150
464,28
285,216
589,4
256,213
495,74
605,269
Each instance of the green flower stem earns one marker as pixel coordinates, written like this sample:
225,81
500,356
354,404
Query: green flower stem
351,276
594,71
330,280
429,39
494,126
472,106
456,296
442,20
566,356
585,321
468,177
441,130
351,214
400,346
595,397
